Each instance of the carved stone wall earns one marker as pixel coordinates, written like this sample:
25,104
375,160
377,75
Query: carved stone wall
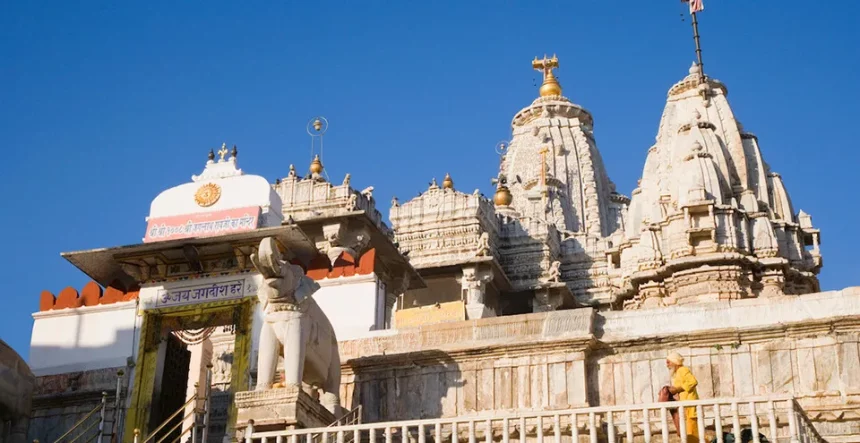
806,346
444,227
61,400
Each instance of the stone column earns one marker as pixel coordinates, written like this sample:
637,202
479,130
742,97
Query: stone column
546,299
201,355
474,289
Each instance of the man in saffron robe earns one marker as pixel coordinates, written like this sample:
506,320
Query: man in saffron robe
684,385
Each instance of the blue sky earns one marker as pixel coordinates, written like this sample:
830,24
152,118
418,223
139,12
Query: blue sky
105,104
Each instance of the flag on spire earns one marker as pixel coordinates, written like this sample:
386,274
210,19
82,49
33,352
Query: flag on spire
695,5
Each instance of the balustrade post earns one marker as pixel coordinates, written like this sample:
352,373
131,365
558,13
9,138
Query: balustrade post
556,428
792,422
646,424
471,431
718,423
522,430
574,428
539,429
610,427
592,425
736,421
249,431
438,433
207,403
102,417
771,418
488,431
754,422
506,429
664,424
682,424
628,418
421,438
700,422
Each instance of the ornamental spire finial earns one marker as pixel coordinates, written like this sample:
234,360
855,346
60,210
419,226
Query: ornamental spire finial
550,86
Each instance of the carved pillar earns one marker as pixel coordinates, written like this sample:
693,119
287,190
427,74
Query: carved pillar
474,291
546,299
773,283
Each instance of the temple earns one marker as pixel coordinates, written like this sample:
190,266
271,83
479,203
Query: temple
264,310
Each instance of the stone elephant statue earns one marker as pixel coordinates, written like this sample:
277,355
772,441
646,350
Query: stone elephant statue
294,326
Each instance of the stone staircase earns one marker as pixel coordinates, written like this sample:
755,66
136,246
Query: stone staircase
99,425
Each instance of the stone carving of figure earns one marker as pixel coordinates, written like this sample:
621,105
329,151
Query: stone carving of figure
367,192
554,272
346,179
483,245
394,202
292,171
353,199
294,326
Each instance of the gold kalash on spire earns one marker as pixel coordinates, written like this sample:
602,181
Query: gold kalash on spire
550,86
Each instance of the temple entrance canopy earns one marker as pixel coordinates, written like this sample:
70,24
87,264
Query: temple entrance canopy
198,292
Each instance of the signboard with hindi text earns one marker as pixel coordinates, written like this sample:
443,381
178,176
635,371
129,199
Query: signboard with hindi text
204,224
201,293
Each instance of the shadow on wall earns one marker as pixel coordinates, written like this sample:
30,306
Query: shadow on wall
16,390
395,390
62,399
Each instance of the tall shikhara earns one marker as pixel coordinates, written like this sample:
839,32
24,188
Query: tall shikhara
710,220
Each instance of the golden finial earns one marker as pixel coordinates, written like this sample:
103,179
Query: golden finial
223,151
550,86
316,165
447,183
503,196
317,125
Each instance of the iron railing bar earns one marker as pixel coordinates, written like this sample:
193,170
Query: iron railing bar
175,427
167,421
78,423
84,432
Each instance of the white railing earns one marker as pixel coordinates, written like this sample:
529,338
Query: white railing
778,418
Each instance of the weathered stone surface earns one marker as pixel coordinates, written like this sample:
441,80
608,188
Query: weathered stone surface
281,408
709,220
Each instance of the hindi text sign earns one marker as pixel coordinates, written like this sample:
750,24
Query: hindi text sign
204,224
218,291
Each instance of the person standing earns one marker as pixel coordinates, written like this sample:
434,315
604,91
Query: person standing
683,384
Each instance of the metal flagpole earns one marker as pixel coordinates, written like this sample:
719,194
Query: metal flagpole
698,48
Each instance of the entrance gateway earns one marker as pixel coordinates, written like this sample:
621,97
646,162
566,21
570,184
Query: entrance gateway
198,295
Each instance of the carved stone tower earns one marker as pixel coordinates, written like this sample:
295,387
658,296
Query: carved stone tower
709,220
553,168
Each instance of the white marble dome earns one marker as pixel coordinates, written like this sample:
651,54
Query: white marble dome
231,189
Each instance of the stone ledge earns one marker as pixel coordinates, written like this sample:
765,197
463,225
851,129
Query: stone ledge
533,329
280,408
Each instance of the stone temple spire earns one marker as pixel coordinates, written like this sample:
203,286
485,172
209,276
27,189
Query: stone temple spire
557,205
709,220
552,166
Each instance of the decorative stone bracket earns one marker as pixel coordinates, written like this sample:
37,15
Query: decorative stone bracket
339,238
474,289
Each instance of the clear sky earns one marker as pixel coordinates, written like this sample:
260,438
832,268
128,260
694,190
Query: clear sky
105,104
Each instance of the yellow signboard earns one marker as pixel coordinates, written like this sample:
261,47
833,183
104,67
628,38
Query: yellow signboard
428,315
